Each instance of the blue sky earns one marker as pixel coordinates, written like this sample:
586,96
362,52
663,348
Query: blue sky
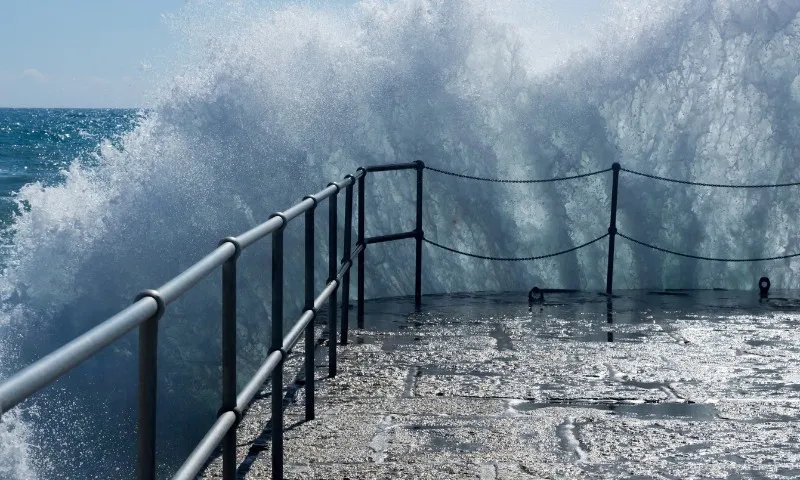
80,52
99,53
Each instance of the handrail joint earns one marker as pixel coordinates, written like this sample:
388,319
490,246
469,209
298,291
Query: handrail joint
161,305
237,246
313,198
236,411
282,217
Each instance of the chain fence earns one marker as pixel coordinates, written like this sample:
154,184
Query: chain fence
506,180
633,240
705,184
515,259
711,259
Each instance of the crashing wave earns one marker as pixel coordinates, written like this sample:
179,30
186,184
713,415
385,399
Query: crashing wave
274,104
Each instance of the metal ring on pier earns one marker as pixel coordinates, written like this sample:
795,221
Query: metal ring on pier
763,286
536,295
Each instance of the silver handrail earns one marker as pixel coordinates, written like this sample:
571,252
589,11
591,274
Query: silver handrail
150,305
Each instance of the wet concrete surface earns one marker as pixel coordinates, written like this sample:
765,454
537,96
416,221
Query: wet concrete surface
700,385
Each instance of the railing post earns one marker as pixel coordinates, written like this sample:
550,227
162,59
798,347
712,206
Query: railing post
361,241
309,305
277,345
332,262
348,228
420,235
612,228
148,381
229,358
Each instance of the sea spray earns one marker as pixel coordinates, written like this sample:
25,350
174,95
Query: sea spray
273,104
708,96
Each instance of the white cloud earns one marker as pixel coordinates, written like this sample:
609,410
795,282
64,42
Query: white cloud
33,74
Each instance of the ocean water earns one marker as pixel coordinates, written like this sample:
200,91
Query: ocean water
267,105
36,145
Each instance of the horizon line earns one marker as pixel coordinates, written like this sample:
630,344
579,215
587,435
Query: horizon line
72,108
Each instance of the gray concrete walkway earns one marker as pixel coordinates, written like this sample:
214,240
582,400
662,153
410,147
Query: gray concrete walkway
480,387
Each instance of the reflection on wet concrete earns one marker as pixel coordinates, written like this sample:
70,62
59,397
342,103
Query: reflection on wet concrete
645,410
691,411
704,384
502,338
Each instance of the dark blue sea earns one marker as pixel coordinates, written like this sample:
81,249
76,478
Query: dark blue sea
37,145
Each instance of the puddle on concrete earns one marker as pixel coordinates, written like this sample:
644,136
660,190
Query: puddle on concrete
648,410
394,342
443,371
603,336
693,411
444,438
630,317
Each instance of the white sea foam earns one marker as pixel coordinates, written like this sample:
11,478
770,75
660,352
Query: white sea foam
15,448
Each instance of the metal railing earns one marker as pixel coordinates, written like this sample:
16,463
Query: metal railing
150,305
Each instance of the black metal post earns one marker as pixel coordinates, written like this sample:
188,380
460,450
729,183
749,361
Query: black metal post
277,344
148,381
612,228
309,305
229,360
361,240
332,262
148,342
420,235
348,229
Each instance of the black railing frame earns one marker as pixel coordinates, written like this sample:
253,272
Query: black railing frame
612,227
149,307
417,234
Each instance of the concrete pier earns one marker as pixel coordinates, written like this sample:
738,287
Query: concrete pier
702,385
